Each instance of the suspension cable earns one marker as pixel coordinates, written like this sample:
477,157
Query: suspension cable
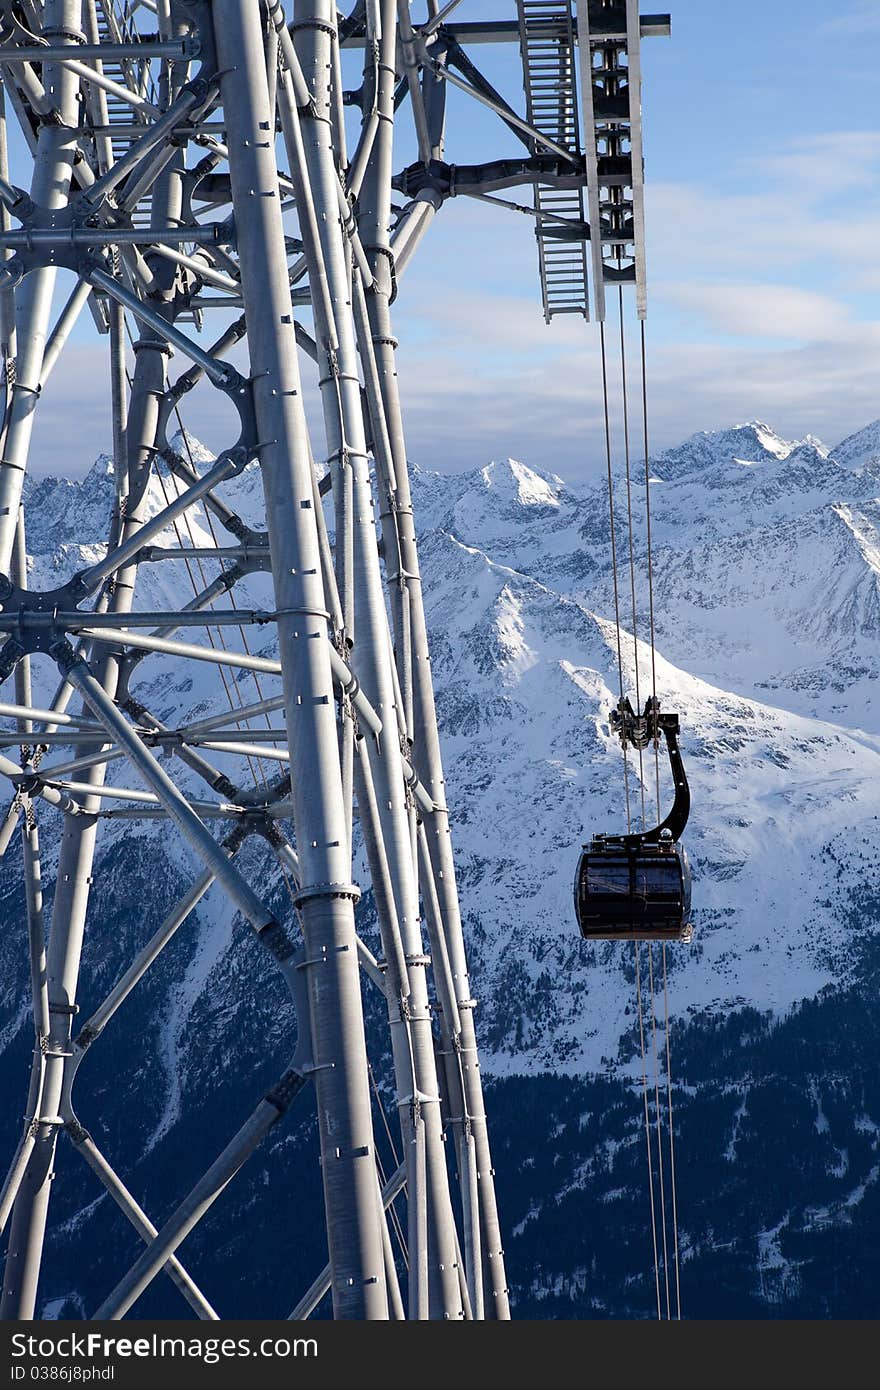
255,779
657,1120
632,562
235,701
232,603
616,198
614,557
647,1128
650,549
671,1140
616,583
231,596
668,1045
395,1219
259,776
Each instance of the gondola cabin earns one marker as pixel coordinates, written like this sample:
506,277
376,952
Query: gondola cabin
629,892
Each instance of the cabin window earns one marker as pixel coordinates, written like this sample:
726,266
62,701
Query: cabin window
608,878
653,879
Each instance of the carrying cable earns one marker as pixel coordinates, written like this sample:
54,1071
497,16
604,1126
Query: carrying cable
232,603
395,1219
614,559
650,549
671,1141
668,1048
632,561
647,1129
632,575
626,764
660,1199
657,1120
233,705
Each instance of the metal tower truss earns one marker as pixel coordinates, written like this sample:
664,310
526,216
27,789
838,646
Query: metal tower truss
608,37
217,196
547,47
611,97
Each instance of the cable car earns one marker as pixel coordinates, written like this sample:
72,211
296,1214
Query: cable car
637,887
640,893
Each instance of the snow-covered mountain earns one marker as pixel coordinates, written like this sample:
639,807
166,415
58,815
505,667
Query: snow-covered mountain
765,559
766,563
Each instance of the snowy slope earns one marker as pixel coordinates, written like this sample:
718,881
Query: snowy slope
533,770
766,560
524,660
767,555
860,450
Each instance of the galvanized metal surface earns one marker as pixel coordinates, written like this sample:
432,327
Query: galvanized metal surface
163,162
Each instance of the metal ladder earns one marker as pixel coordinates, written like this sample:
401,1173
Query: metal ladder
115,26
549,64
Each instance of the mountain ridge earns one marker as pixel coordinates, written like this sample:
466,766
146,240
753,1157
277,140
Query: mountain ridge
519,597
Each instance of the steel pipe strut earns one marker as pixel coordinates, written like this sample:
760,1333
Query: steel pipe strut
196,1203
356,728
325,896
410,630
134,430
84,1143
320,1286
77,672
363,601
53,167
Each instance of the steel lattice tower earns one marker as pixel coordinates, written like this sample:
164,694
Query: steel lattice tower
193,166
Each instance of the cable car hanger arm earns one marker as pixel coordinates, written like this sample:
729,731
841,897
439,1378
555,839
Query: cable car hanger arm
640,730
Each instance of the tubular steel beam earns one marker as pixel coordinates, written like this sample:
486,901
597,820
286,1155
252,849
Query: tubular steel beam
106,52
67,929
321,1286
206,1191
411,636
507,30
325,896
134,136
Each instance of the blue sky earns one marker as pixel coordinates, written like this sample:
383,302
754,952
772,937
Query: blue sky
763,211
762,153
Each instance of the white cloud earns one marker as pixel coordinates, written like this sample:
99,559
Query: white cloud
553,416
861,19
804,213
755,310
482,377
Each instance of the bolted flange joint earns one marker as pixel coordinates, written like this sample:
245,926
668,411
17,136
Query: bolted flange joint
30,619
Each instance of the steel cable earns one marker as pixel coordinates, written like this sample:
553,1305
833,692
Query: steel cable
395,1219
661,1198
632,562
232,704
668,1046
650,550
647,1129
671,1143
614,558
255,778
625,759
658,1122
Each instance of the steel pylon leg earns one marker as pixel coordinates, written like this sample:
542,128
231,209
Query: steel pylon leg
411,632
326,896
112,138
